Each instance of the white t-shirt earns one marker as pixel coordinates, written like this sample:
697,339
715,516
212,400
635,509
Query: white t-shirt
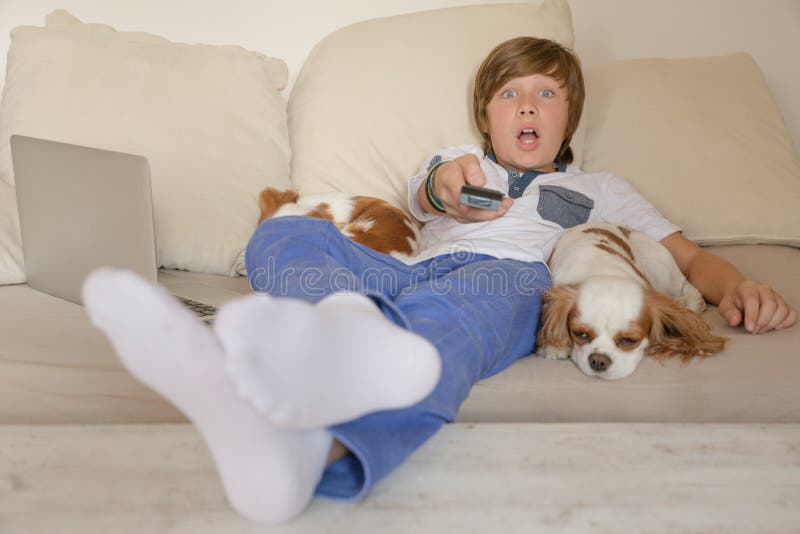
530,229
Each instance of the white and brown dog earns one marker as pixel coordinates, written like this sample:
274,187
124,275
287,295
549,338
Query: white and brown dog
370,221
618,295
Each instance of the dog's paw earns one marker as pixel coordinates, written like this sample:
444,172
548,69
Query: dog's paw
554,353
692,298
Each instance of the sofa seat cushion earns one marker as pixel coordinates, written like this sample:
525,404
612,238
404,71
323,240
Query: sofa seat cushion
753,380
56,369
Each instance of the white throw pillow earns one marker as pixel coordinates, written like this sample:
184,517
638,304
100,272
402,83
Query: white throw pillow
210,119
703,140
375,98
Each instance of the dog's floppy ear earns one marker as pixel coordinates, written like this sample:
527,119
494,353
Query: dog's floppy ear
557,304
270,200
677,331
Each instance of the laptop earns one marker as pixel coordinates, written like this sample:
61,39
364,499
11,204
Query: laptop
81,208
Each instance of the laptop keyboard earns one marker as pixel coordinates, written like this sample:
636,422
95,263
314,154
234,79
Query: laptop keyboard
200,309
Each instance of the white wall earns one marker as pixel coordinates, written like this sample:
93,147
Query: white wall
604,29
287,29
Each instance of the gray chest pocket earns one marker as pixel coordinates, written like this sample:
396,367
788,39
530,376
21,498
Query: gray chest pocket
563,206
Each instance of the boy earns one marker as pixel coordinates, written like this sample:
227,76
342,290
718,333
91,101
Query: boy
326,392
739,300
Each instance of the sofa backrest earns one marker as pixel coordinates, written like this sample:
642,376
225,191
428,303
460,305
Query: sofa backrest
604,30
666,113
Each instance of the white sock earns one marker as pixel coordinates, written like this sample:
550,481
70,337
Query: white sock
309,366
269,473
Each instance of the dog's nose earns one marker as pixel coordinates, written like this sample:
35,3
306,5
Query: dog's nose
599,362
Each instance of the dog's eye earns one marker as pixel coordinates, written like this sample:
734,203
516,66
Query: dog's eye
627,341
581,335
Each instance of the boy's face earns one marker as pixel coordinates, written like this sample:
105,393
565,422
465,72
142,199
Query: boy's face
538,103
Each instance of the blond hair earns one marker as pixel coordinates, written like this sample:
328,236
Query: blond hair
523,56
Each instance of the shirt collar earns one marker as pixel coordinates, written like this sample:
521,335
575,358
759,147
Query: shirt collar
559,168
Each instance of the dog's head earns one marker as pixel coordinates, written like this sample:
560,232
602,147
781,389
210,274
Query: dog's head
611,323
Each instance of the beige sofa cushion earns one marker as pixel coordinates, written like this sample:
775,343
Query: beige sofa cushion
754,380
210,119
703,140
373,99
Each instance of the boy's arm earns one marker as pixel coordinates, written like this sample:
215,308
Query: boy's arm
720,283
448,179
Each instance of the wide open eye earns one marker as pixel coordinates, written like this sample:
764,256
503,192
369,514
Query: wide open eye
547,93
508,93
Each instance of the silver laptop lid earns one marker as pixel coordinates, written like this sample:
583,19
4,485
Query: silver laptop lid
81,208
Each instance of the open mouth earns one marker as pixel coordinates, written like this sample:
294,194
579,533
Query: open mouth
528,135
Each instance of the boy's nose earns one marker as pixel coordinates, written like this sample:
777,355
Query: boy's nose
526,110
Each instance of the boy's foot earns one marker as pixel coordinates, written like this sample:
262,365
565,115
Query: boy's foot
311,366
269,473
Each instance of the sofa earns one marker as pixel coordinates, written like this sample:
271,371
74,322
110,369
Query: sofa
707,127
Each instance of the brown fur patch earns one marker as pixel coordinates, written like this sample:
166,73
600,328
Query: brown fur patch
270,200
640,330
321,211
610,250
373,222
636,335
386,229
625,231
617,240
558,305
575,327
677,331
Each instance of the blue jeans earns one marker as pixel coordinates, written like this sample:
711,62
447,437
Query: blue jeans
481,314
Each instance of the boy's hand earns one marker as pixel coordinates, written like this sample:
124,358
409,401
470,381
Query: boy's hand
762,307
447,184
740,300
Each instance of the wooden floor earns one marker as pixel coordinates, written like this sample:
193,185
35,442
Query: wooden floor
469,478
